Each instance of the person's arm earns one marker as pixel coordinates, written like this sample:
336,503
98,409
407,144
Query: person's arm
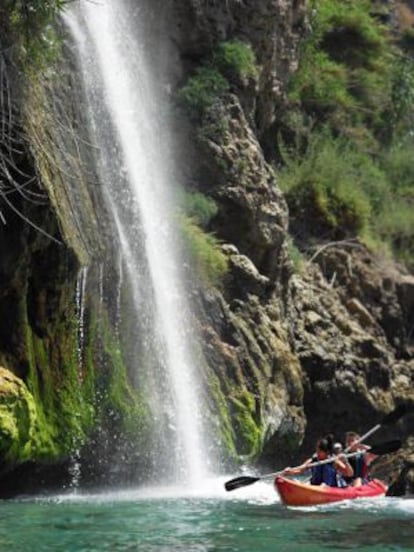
343,466
368,457
298,470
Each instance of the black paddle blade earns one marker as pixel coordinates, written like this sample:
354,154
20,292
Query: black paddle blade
395,415
385,448
241,481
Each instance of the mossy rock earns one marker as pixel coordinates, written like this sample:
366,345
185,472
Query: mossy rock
247,429
18,417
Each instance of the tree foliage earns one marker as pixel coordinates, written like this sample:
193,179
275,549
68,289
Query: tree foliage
27,28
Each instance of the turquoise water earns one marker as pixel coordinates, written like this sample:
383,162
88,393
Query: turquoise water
206,520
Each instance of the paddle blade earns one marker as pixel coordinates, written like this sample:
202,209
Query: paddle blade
241,481
395,415
385,448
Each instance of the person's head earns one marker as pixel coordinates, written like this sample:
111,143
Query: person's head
351,439
337,448
323,448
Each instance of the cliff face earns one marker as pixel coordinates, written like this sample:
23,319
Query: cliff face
63,381
328,348
258,382
290,354
272,27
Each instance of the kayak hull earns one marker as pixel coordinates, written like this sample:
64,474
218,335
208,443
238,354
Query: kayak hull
297,493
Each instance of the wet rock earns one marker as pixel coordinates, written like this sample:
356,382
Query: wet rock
18,418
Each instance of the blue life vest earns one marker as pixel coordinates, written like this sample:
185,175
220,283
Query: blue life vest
324,474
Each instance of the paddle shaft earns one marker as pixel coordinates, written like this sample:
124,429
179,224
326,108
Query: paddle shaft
391,418
365,436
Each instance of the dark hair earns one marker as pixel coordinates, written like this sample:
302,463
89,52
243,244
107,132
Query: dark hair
325,444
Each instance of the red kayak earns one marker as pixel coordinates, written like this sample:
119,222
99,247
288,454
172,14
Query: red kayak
297,493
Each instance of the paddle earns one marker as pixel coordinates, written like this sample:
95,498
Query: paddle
245,480
390,419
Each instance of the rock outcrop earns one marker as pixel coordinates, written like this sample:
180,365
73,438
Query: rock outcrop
328,348
272,27
353,372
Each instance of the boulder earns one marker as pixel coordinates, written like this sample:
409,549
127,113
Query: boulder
18,417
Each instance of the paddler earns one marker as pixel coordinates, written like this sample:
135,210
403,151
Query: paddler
325,474
361,462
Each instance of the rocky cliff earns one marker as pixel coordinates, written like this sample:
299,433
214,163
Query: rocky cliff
298,353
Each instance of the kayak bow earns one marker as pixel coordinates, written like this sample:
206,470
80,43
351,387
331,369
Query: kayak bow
297,493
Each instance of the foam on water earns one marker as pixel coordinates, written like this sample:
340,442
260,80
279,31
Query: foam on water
378,505
211,489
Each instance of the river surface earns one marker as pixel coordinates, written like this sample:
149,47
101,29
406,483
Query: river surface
250,519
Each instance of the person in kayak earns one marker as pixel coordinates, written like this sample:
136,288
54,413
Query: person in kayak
361,462
338,450
326,474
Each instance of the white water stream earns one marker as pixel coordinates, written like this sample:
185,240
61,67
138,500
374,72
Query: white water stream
80,312
126,119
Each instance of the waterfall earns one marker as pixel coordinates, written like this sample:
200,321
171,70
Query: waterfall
128,128
80,312
81,283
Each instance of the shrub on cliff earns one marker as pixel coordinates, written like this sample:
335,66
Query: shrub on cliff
199,207
355,176
202,90
230,62
236,60
332,189
396,224
346,65
208,260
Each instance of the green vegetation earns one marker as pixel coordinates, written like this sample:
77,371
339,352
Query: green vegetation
238,429
199,207
202,89
346,147
18,417
396,224
346,65
236,60
333,187
27,26
247,430
63,401
121,407
296,256
225,428
51,414
209,263
229,63
407,40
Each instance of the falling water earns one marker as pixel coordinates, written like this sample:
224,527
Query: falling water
118,296
80,312
81,282
127,124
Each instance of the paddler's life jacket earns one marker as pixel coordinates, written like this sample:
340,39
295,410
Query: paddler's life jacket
324,474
